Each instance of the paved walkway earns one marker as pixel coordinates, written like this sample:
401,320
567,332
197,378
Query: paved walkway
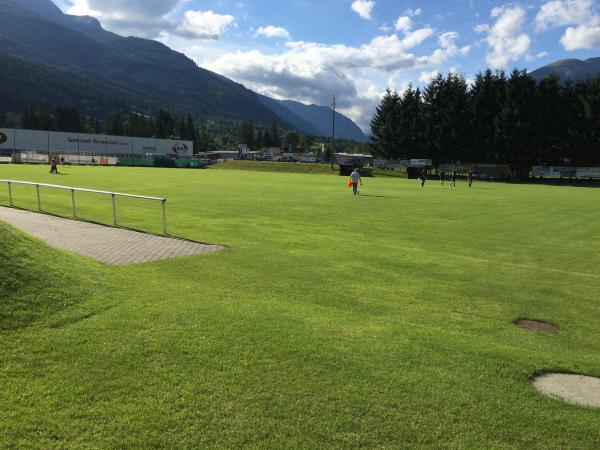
114,246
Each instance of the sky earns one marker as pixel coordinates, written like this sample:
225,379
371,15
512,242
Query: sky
308,50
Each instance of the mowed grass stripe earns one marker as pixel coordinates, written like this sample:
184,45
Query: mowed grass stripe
330,321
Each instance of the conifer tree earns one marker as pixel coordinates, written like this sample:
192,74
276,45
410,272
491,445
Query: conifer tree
384,127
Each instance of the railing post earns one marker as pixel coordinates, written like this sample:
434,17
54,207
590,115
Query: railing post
37,189
164,214
114,205
10,199
73,202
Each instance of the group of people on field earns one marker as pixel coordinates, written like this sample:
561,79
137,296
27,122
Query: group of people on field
450,176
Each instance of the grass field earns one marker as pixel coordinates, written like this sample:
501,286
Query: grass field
331,321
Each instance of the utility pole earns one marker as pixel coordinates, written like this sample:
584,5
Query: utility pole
332,131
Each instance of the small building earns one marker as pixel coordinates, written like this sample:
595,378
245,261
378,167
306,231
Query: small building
350,161
228,155
415,167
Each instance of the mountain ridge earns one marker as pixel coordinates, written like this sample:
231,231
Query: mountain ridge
569,69
77,60
321,118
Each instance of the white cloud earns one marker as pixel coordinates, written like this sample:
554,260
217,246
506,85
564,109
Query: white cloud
363,8
404,23
426,77
413,12
205,24
563,12
310,72
505,37
144,18
585,34
153,18
273,32
416,37
581,37
128,10
537,56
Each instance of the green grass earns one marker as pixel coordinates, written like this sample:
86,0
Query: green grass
331,321
276,166
294,167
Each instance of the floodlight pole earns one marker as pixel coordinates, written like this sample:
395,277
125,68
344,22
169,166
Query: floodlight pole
332,131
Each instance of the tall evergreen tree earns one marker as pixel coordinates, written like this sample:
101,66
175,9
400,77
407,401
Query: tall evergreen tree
164,124
447,118
291,139
384,127
275,139
550,121
515,134
201,143
45,120
67,119
589,97
410,124
247,134
267,141
189,129
114,124
487,97
91,125
29,119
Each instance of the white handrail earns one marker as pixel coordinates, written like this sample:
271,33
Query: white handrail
114,195
56,186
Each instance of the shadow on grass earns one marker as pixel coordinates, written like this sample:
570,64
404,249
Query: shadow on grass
378,196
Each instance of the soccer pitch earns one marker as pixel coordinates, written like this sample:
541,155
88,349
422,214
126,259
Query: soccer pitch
330,321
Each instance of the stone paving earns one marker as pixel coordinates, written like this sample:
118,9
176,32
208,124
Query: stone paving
115,246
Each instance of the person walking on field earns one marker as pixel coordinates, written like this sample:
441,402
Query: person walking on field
355,178
422,178
470,175
53,166
453,179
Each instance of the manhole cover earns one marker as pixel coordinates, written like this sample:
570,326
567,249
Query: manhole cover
536,325
579,389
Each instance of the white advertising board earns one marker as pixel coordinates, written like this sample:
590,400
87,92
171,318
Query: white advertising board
142,146
64,142
7,139
74,143
420,162
31,140
588,172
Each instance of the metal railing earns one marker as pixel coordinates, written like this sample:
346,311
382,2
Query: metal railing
114,196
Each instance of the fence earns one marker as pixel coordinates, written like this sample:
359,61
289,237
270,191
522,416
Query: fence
73,190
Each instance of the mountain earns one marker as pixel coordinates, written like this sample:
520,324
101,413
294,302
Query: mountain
321,118
48,50
55,58
290,117
569,69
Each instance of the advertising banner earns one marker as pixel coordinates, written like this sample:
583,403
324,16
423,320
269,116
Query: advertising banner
420,162
588,172
99,144
7,140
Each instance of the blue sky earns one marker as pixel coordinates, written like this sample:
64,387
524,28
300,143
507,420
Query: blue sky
307,50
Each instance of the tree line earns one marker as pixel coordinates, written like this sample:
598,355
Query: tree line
207,136
499,118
